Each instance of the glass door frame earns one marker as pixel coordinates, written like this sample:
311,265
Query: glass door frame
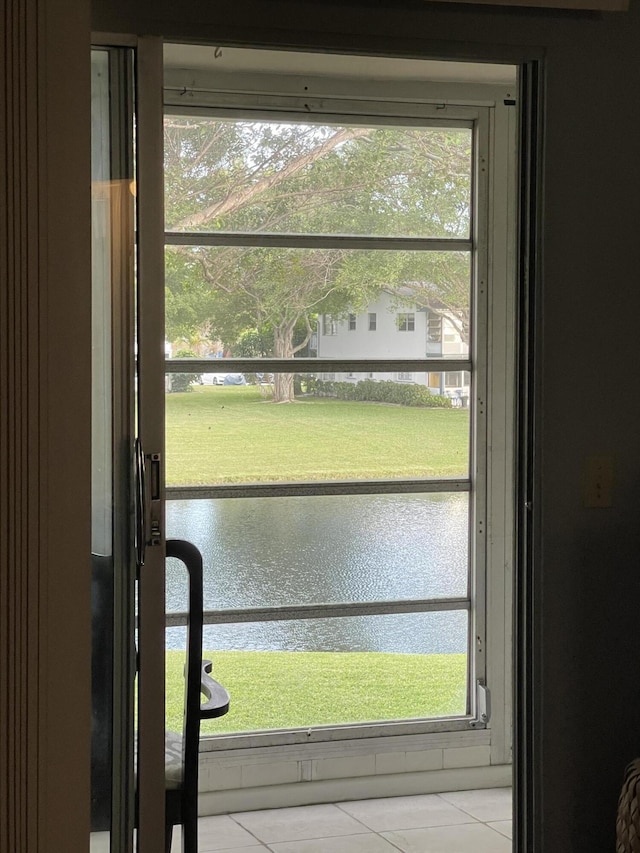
150,373
139,798
113,420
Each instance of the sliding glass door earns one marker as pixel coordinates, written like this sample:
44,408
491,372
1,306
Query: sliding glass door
112,562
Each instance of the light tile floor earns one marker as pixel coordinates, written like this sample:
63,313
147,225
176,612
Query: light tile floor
460,822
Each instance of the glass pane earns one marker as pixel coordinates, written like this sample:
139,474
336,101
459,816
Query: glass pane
261,552
330,303
284,675
298,177
339,426
102,580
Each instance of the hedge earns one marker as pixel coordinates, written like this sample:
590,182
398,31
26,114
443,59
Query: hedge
368,390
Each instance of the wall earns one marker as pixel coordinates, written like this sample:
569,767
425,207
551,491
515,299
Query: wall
45,414
587,571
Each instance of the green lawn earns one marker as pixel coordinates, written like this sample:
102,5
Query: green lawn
233,434
274,690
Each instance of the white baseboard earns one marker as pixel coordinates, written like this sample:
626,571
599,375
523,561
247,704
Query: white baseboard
359,788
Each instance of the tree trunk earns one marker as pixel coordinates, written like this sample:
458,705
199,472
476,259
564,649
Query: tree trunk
283,348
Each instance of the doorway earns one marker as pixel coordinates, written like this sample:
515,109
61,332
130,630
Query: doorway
338,459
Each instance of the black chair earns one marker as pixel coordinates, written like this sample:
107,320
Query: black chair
181,749
181,801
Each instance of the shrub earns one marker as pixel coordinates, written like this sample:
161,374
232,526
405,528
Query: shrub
183,381
305,383
368,390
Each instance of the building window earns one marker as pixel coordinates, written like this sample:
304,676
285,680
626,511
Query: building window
329,325
405,377
434,329
352,322
373,321
406,322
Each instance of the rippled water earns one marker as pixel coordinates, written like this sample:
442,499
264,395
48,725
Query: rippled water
303,550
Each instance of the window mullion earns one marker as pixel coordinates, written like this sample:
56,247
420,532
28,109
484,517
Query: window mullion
315,488
315,365
316,241
289,613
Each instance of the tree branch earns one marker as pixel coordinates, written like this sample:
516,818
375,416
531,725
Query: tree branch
236,200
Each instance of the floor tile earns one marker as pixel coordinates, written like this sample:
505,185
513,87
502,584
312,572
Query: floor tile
467,838
369,843
100,842
221,832
489,804
259,849
503,826
295,824
405,812
218,834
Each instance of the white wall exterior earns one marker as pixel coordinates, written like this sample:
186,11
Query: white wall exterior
388,341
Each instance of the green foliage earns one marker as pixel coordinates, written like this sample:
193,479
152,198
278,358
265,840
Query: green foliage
305,383
181,382
257,176
253,344
370,390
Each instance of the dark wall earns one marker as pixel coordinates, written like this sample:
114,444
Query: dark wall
589,567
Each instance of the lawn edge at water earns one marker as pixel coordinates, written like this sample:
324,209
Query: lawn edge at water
282,689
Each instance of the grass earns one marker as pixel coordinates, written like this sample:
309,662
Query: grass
274,690
233,434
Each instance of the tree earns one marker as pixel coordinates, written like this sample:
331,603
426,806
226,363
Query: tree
248,176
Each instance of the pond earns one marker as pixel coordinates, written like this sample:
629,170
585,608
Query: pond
268,552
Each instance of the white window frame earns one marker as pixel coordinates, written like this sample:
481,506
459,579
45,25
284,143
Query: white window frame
493,395
434,328
329,325
406,321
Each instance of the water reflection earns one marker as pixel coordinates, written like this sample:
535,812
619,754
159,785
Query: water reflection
302,550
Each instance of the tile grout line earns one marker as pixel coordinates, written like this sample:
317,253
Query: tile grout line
252,834
464,811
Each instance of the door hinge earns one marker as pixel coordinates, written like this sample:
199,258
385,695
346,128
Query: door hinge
483,702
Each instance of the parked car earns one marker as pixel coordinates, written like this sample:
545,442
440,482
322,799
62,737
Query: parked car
234,379
213,378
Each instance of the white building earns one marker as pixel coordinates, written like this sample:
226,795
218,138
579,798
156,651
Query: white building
390,329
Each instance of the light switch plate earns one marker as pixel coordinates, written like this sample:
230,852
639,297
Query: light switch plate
598,490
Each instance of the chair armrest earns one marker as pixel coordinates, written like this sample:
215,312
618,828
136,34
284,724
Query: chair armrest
217,698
